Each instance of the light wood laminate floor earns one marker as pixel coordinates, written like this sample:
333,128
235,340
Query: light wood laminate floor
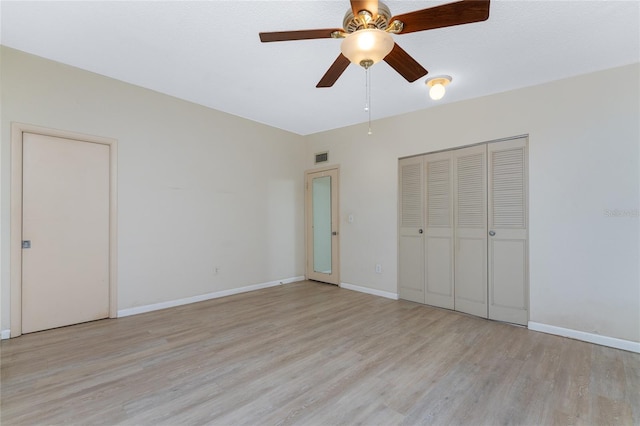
310,353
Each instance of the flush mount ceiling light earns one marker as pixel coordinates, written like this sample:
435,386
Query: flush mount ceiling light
436,86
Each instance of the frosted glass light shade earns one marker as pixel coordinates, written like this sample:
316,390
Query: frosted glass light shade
367,45
436,92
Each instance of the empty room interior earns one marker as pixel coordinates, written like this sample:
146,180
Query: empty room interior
327,212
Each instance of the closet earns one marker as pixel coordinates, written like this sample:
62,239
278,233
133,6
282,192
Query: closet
463,230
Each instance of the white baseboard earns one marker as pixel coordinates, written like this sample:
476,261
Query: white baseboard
172,303
5,334
598,339
368,290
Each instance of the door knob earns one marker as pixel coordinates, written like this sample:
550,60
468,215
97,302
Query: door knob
420,231
492,233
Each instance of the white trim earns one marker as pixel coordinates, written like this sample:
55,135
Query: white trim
5,334
172,303
626,345
293,280
368,290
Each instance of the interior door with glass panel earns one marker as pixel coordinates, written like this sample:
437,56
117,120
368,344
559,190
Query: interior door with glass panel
321,206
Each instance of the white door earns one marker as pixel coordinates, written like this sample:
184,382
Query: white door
470,217
322,226
411,258
508,249
439,242
65,271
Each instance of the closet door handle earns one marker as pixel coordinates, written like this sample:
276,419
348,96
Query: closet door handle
492,233
420,231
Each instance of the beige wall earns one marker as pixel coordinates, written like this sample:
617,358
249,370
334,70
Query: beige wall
198,188
584,160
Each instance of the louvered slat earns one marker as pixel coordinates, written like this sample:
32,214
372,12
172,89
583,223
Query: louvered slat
471,191
508,188
438,193
411,196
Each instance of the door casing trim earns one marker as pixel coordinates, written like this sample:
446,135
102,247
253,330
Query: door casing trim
17,130
307,206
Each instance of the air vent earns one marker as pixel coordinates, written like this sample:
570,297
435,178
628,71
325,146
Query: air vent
322,157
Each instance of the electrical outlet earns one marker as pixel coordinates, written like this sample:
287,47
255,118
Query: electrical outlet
378,268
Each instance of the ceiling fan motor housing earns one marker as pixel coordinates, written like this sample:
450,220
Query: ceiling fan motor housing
365,20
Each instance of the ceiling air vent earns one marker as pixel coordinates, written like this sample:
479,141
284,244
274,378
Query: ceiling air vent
322,157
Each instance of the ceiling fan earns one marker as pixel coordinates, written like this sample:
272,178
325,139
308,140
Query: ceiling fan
367,29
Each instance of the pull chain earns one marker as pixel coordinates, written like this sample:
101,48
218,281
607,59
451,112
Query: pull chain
366,90
366,64
367,104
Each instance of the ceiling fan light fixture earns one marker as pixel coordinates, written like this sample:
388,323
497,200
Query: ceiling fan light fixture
437,86
367,46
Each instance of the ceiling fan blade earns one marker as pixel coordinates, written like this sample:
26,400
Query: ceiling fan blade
406,66
370,5
334,72
446,15
298,35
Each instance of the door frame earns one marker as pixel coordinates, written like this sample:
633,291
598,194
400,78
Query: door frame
307,222
17,130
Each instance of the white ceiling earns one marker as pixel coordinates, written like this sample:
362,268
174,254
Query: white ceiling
208,52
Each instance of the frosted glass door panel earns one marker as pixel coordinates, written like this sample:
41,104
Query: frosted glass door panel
322,224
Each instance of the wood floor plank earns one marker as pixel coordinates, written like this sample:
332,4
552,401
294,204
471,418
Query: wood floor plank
309,354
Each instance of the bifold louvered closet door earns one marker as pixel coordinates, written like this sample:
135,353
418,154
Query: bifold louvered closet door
439,242
508,267
463,230
411,242
470,219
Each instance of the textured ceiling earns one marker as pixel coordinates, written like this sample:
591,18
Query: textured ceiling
208,52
